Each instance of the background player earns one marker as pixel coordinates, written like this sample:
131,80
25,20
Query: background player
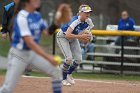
27,29
67,40
63,16
7,16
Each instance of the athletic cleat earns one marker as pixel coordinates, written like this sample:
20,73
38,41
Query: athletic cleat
65,83
70,79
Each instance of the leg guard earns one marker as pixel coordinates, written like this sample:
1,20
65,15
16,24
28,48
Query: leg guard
66,67
73,66
57,86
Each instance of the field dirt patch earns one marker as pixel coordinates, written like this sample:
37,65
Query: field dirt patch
43,85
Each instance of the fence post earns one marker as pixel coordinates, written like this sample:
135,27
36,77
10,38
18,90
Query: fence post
54,40
122,55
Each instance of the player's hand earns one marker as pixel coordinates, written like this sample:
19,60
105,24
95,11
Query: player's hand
85,38
4,36
52,60
55,60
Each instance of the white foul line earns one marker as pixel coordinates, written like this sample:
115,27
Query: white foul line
94,81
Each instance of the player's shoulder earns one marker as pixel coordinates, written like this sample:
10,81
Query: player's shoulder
131,19
22,15
120,20
37,13
7,7
25,13
75,18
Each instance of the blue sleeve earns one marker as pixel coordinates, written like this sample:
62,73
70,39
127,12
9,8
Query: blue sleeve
74,22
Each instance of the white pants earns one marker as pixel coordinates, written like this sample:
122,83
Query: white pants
71,48
19,60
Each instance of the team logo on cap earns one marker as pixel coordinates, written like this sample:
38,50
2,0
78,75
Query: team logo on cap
87,8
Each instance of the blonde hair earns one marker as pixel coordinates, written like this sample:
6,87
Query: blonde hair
64,13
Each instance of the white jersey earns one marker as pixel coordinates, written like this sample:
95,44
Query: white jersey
77,25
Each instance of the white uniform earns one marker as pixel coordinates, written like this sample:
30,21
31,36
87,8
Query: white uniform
71,48
20,55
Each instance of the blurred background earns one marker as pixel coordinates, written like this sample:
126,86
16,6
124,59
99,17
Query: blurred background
106,56
105,11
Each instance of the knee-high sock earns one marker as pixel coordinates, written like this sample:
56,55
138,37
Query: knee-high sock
65,70
73,67
57,87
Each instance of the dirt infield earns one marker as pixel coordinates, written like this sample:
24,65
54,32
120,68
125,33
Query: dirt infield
43,85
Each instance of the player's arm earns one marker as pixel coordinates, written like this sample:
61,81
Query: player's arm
36,48
69,35
48,30
4,24
51,29
44,28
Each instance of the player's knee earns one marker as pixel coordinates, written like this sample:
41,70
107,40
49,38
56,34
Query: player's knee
67,64
69,61
78,62
57,74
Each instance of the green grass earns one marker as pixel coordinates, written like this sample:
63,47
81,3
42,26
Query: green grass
2,72
90,76
4,47
106,77
46,43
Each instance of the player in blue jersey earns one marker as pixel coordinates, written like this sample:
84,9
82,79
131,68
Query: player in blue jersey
67,40
27,28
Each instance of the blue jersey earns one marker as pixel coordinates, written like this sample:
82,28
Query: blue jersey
127,24
77,25
27,24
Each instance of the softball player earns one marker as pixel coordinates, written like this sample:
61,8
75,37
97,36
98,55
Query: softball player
67,40
27,28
